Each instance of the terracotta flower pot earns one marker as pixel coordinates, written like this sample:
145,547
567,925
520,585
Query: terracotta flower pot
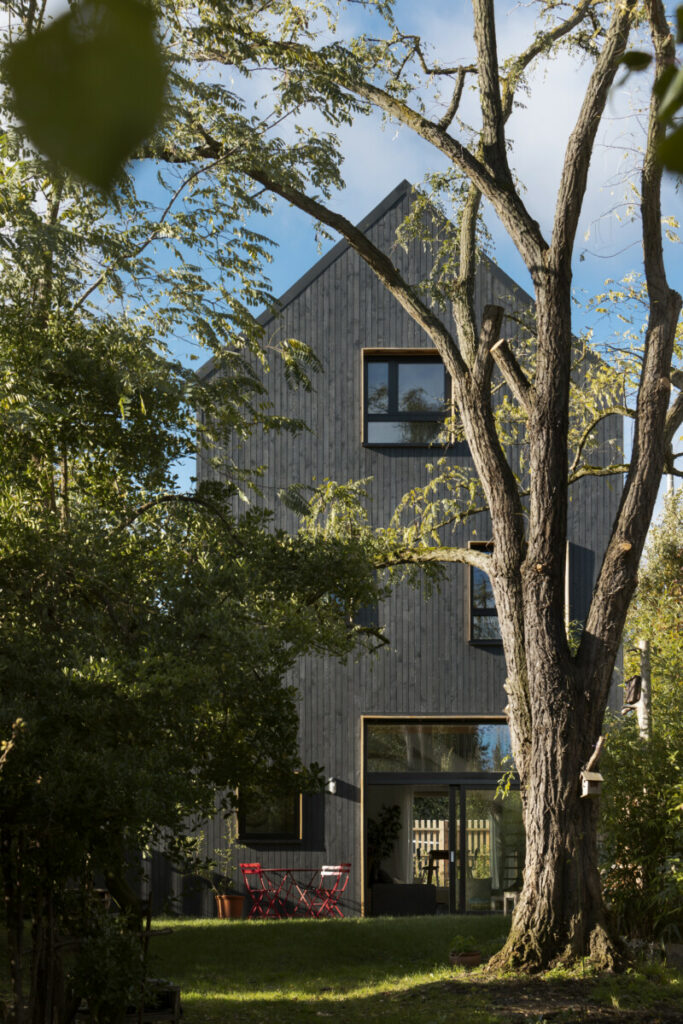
229,905
471,959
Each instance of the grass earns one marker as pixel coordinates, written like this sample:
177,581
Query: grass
376,970
371,970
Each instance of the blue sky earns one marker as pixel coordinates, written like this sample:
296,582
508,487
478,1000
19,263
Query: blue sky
378,156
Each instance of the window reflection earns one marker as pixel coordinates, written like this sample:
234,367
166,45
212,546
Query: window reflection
438,747
406,400
420,387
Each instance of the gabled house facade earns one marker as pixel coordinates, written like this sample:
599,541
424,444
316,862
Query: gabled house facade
413,739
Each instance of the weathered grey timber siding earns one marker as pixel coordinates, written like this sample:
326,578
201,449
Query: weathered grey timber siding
428,668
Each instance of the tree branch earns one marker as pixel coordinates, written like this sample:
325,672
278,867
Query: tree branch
445,122
488,336
514,375
580,146
674,418
541,44
170,499
493,133
617,577
378,262
425,555
155,233
614,410
616,468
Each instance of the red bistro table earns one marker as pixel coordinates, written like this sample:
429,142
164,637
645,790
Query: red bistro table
295,892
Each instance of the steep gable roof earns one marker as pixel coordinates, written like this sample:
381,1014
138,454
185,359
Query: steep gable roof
375,215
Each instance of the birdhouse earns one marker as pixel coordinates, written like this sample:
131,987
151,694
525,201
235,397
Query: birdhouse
591,783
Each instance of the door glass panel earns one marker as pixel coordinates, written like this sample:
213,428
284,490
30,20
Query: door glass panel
495,848
431,848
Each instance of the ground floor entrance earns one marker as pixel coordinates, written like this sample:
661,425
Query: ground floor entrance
444,841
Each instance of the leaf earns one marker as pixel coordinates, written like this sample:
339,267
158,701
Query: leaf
679,22
670,151
672,99
90,87
635,60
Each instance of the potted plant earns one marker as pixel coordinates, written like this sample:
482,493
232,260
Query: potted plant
464,952
221,872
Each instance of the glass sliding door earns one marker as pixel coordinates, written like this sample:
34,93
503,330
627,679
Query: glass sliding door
434,837
454,841
494,848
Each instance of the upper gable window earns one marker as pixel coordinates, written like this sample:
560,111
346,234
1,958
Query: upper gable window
406,398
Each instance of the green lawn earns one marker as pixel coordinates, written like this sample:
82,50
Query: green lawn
382,970
371,970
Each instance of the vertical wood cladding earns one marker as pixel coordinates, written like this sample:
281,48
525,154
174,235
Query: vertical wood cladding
428,668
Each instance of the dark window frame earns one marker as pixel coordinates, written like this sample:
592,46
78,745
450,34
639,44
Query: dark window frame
478,612
254,838
394,357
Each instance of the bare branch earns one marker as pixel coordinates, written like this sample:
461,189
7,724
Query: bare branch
615,469
541,44
445,122
493,134
613,410
592,762
514,375
676,378
488,336
463,297
580,146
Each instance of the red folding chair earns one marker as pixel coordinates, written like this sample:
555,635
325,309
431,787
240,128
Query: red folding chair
333,880
264,887
255,885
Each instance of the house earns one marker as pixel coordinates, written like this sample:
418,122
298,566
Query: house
413,740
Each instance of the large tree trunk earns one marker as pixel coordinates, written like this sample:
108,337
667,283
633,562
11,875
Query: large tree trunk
560,915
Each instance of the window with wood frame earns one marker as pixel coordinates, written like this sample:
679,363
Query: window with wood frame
406,398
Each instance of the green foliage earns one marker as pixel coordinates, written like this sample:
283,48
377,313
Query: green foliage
222,869
146,633
108,969
464,943
642,822
643,801
90,86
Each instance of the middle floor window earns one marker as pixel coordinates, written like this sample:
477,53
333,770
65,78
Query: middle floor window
407,398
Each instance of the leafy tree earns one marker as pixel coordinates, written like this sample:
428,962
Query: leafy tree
643,808
557,689
145,633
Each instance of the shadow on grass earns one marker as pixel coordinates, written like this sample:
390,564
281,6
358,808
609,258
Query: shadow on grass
375,970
